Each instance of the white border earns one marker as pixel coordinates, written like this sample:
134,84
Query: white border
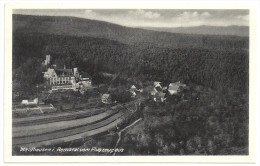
120,5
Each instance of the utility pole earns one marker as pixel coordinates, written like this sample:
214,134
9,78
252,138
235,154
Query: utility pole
37,86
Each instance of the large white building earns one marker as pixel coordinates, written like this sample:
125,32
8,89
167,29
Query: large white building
65,79
58,79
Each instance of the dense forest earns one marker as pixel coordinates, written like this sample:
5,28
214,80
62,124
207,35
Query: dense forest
215,68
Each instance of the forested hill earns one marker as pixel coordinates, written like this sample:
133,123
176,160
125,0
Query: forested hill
220,63
72,26
208,30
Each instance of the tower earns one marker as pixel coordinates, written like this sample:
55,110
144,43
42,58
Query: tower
75,72
48,60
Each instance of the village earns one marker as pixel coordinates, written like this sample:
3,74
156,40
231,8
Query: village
69,107
64,80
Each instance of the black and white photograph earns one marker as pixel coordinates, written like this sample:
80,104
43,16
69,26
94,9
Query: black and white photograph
130,82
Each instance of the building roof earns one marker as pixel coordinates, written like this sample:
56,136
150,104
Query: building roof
161,95
177,84
133,93
133,87
173,87
48,73
105,95
67,72
156,83
86,79
154,91
85,75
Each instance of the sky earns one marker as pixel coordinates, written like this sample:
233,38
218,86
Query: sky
152,17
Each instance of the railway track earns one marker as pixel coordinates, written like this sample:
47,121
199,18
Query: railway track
79,128
31,121
78,115
79,136
67,132
61,125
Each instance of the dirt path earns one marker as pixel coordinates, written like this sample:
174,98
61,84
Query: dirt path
120,132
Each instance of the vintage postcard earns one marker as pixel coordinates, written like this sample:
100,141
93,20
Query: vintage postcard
130,82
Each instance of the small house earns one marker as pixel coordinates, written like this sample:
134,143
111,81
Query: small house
159,97
135,89
30,102
154,91
157,84
85,79
175,88
106,99
133,94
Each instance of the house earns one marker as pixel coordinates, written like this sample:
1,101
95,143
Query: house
159,97
176,87
64,79
60,79
133,94
154,91
157,84
135,89
85,80
106,98
30,102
